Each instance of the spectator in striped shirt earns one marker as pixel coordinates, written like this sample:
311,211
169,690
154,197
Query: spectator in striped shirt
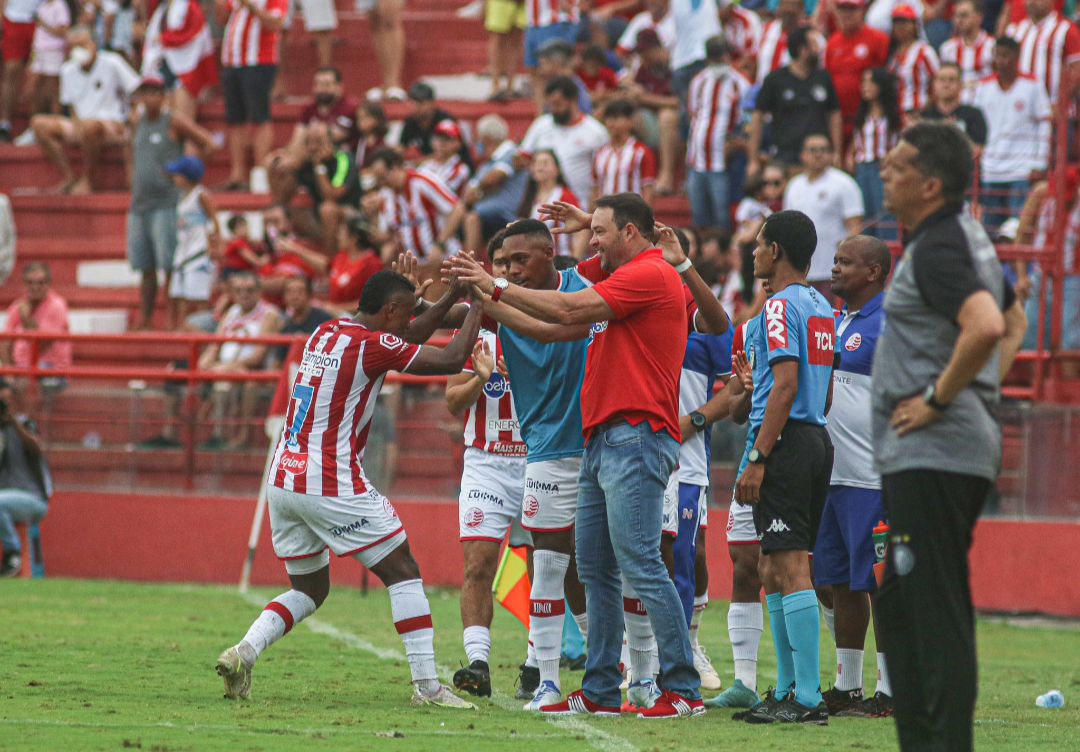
972,48
877,130
445,160
624,164
1049,45
546,21
714,106
547,186
911,60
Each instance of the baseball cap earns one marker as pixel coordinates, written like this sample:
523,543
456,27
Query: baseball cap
904,12
421,92
188,166
447,128
647,39
152,82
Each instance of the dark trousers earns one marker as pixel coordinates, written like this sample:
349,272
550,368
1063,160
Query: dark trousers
924,607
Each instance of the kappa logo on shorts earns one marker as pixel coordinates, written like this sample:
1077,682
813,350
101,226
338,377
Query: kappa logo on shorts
389,508
777,526
294,463
776,322
473,517
530,506
853,342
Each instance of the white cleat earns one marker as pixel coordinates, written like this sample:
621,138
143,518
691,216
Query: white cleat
237,675
643,694
444,698
546,694
710,680
627,678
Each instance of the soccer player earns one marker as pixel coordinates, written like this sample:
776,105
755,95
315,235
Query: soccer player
844,553
786,477
318,495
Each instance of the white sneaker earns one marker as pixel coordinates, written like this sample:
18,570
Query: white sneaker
444,698
710,680
546,694
237,675
374,94
626,679
475,9
26,138
643,694
395,94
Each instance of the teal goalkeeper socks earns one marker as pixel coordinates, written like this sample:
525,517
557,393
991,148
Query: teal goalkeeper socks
785,664
803,630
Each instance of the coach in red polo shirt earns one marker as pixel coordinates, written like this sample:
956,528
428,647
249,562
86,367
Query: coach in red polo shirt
852,50
630,418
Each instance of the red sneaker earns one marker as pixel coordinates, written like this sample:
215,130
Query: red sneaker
576,703
671,705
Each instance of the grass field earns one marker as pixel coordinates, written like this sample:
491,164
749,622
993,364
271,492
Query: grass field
108,665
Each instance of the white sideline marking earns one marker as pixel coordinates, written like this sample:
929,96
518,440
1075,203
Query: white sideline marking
601,740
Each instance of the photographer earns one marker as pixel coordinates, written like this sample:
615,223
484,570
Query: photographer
25,481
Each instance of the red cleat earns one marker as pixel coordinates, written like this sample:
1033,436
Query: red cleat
576,703
671,705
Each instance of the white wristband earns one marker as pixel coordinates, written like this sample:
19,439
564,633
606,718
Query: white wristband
683,266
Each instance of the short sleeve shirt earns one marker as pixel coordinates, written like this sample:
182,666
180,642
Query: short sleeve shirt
51,315
798,106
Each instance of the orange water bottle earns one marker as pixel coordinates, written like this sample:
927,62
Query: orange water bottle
881,537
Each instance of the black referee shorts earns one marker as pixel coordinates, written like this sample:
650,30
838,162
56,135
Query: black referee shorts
247,93
794,489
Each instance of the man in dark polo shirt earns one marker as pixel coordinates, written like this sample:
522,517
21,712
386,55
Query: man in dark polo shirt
953,326
946,106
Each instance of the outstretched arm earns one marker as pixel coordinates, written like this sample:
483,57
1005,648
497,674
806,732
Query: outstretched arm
710,317
449,360
530,327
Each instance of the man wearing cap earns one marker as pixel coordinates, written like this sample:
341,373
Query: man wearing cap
424,115
852,49
151,222
446,159
912,60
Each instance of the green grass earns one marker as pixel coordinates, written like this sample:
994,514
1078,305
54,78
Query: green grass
108,665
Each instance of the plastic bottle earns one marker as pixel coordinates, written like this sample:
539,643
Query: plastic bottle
881,535
1052,699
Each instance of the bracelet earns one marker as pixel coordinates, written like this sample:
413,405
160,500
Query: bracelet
320,169
684,266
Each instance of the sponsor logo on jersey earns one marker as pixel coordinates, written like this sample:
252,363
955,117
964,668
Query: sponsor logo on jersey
598,328
508,450
390,342
853,342
352,527
688,514
776,322
539,485
389,508
487,496
473,517
293,463
315,362
530,506
821,340
496,387
777,526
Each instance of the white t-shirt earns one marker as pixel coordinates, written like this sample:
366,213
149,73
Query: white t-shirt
1017,128
828,201
21,11
100,93
574,145
695,21
879,14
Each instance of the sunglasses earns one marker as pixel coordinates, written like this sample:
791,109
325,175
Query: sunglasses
773,183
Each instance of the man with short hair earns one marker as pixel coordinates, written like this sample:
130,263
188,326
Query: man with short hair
624,163
301,317
544,22
424,115
329,174
556,58
853,49
832,200
953,329
1049,46
972,49
495,191
95,84
947,104
38,310
773,50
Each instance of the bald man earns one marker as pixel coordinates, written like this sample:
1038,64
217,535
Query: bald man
844,553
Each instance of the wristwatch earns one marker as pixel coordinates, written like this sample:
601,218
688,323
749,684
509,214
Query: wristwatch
500,285
929,398
697,420
755,457
320,169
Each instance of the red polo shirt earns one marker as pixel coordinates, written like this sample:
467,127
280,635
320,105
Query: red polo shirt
847,58
634,361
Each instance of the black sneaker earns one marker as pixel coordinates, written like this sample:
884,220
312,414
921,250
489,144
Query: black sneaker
878,706
528,681
573,664
10,563
5,134
839,700
764,711
474,679
792,711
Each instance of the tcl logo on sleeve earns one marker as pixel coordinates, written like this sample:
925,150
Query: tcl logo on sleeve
776,323
821,340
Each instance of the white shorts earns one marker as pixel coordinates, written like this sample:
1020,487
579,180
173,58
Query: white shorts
319,15
192,281
365,526
492,487
47,62
671,506
551,491
740,525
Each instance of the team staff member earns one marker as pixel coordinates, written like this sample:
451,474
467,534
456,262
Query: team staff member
786,477
844,553
953,327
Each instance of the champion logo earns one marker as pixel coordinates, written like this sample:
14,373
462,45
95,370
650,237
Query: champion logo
530,506
853,342
389,508
776,322
293,463
473,517
777,526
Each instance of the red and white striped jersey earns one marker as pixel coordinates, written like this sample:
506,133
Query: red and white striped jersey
1046,47
563,246
1072,231
974,60
914,71
623,169
332,400
743,30
454,172
492,423
419,211
246,42
772,51
713,104
548,12
874,139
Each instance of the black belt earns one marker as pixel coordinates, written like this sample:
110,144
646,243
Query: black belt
616,421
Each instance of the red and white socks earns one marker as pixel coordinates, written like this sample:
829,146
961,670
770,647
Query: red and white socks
279,616
412,619
746,622
548,610
477,643
849,665
640,640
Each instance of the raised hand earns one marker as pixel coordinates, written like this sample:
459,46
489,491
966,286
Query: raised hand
483,361
570,218
408,266
670,245
467,269
503,370
744,374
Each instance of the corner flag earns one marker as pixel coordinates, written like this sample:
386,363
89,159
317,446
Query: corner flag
511,586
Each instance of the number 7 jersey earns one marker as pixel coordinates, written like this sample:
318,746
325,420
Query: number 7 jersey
333,398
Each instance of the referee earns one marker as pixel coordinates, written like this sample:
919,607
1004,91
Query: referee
953,326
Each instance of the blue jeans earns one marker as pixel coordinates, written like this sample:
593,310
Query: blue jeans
685,548
151,239
630,466
708,193
1005,199
537,36
1070,313
18,506
868,176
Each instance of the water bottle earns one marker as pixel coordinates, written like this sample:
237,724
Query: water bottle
1052,699
881,536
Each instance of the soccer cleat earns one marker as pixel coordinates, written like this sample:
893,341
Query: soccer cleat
764,711
671,705
474,679
528,681
444,698
627,678
576,703
573,664
642,694
792,711
710,680
878,706
236,673
735,696
839,700
546,694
